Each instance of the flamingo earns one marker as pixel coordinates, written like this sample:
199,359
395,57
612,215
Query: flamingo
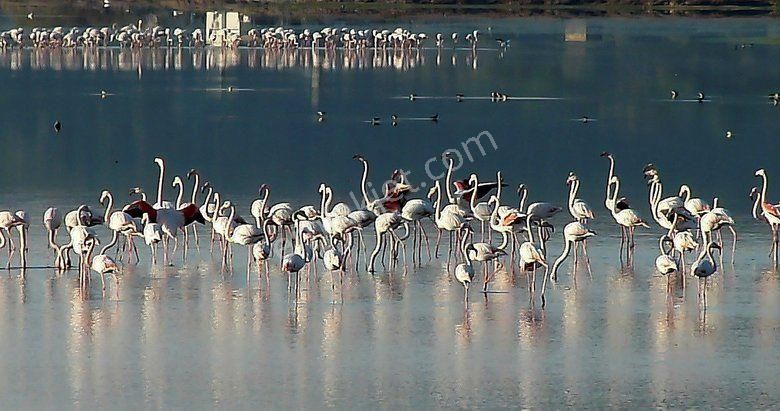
704,267
480,210
695,206
153,235
119,222
9,220
335,260
280,214
714,220
261,251
80,238
336,225
23,230
755,195
247,235
503,224
294,262
415,211
103,264
445,221
83,215
386,224
484,253
664,263
578,209
573,233
172,221
464,272
160,203
770,212
626,218
52,220
530,256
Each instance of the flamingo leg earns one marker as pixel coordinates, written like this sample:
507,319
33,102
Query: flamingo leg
427,242
438,241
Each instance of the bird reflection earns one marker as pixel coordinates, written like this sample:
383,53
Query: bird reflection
464,328
216,58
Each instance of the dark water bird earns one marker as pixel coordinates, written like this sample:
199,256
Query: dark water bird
775,97
375,121
729,134
502,43
412,97
103,94
57,126
700,97
459,97
395,118
321,116
585,119
674,94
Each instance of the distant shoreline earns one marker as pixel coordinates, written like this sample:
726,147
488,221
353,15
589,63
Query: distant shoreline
313,10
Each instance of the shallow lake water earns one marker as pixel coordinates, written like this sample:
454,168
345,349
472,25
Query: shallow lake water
192,336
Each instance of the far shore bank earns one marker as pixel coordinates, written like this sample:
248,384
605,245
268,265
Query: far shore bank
85,11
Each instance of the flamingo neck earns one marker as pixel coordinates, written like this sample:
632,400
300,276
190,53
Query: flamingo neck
114,238
756,206
329,193
528,228
523,198
438,201
363,181
230,219
216,208
560,259
195,188
208,198
181,192
448,183
473,200
323,193
109,206
161,164
763,189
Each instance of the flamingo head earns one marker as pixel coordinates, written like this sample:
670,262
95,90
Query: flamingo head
263,187
359,157
760,172
753,193
191,173
571,178
606,154
105,194
205,186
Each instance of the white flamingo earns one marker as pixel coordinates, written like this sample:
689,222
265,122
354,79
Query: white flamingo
578,208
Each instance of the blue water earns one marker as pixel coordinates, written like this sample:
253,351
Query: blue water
190,336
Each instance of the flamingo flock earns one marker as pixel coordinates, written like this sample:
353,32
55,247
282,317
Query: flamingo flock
299,238
139,36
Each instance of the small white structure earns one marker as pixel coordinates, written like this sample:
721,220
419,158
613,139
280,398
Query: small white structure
222,27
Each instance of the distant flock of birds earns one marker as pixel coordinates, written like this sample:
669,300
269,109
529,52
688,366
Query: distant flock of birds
138,36
332,234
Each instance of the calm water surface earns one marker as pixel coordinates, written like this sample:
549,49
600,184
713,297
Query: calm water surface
190,336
